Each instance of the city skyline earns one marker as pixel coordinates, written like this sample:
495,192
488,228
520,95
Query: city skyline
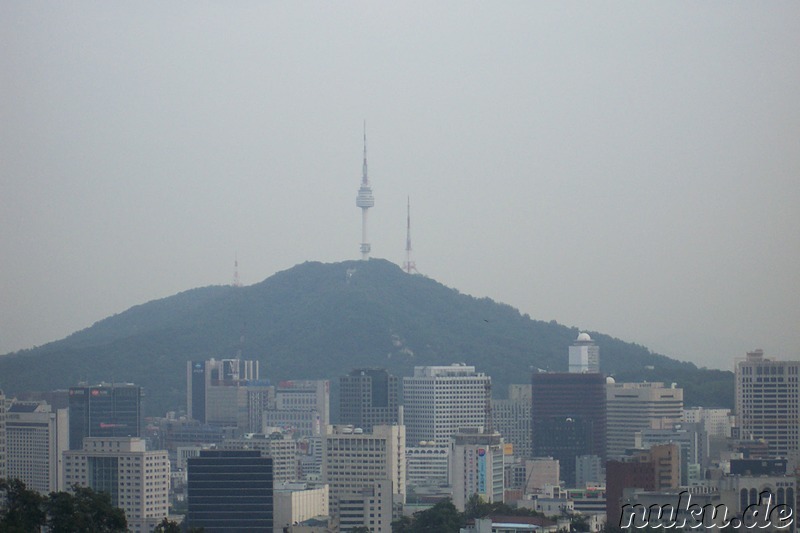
626,169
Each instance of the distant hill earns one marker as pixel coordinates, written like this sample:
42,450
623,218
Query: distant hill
320,320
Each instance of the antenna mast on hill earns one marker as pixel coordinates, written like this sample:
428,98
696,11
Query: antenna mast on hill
236,281
409,266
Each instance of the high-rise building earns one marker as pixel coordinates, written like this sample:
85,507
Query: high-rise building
301,406
216,391
476,466
366,473
105,410
369,397
584,355
768,402
3,407
512,418
136,479
633,407
440,400
427,466
718,422
281,448
230,490
36,438
568,418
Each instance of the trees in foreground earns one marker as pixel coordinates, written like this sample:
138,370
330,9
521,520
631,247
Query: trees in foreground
82,510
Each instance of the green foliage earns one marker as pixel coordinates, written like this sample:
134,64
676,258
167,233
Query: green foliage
477,508
167,526
22,512
441,518
314,321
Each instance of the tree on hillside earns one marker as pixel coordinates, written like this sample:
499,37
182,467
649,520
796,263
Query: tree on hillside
84,510
22,511
167,526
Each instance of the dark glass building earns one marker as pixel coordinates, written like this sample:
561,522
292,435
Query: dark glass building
104,411
230,490
369,397
568,418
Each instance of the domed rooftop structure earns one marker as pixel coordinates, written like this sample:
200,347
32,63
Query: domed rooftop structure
584,337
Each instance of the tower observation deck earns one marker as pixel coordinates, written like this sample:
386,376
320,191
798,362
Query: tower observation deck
365,200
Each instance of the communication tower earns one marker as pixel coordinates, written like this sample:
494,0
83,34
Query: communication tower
364,201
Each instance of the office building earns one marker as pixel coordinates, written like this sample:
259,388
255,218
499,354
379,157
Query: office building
296,503
216,391
568,418
633,407
768,402
440,400
427,466
541,472
366,474
692,440
717,422
36,438
105,410
136,479
230,490
476,466
281,448
584,355
3,407
512,419
369,397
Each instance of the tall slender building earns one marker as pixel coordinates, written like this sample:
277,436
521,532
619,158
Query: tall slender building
364,201
768,402
584,355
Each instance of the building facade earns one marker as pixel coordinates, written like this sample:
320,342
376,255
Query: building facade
105,410
36,438
136,479
216,391
281,448
440,400
768,402
369,397
230,490
512,419
476,467
584,355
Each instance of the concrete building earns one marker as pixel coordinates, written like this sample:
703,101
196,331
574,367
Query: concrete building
692,440
105,410
301,407
427,465
584,355
633,407
281,448
541,472
768,402
298,502
717,422
369,397
136,479
366,473
512,419
3,408
476,466
216,391
589,471
36,438
440,400
230,490
568,418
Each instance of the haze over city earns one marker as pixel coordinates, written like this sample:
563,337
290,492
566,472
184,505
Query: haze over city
619,167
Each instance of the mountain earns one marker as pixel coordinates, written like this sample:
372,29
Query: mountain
320,320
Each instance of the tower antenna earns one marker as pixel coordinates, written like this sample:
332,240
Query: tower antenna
236,281
364,201
409,266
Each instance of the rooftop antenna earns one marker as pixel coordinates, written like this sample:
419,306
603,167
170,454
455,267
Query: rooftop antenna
236,281
364,201
409,266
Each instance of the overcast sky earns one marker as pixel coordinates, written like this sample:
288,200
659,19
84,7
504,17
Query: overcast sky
626,167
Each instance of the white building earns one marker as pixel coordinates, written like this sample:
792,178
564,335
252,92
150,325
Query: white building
35,440
440,400
427,465
366,474
136,479
632,407
281,448
768,402
476,466
3,407
584,355
297,502
718,422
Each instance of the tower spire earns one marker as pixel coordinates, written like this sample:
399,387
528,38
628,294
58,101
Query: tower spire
236,281
364,201
409,266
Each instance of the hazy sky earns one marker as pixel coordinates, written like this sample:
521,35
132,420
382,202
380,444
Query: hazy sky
626,167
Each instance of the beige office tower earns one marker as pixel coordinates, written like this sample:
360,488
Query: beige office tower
476,466
440,400
632,407
136,479
768,402
366,474
35,440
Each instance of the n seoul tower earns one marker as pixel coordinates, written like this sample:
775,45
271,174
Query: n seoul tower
364,200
